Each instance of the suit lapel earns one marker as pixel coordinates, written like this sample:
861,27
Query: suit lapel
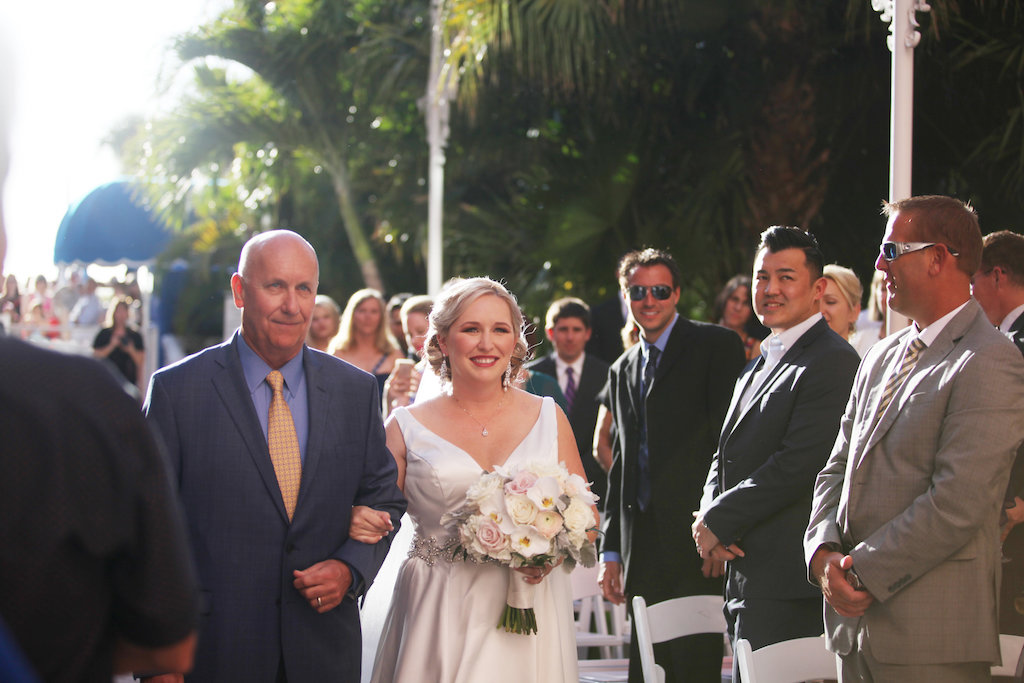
634,374
935,353
673,350
742,383
234,393
318,404
776,373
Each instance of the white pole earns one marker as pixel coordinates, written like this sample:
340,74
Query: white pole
903,38
437,108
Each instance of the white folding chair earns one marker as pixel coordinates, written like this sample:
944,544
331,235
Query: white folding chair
594,615
603,670
1010,647
673,619
791,661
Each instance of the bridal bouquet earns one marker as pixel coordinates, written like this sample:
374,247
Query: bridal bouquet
525,516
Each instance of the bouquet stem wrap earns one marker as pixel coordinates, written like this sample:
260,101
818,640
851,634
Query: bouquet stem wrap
518,616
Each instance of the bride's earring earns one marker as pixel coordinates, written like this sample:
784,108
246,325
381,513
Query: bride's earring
506,379
444,373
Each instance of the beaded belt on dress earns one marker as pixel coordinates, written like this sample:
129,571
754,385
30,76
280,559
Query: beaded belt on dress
430,550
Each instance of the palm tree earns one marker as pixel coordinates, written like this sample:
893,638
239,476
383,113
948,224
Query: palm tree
322,76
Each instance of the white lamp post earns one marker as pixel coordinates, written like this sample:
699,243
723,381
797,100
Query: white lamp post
903,38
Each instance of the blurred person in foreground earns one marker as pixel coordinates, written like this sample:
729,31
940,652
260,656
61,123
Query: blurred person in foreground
903,537
95,577
270,445
668,396
999,288
778,434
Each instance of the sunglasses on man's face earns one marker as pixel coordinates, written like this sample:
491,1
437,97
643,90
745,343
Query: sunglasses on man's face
893,250
659,292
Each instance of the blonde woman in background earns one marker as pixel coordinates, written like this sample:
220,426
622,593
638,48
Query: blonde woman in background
840,305
326,323
365,339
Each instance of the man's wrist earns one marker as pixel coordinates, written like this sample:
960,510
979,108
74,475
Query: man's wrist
819,559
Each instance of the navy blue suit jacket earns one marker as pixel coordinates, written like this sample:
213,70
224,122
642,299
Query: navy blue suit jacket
244,547
758,490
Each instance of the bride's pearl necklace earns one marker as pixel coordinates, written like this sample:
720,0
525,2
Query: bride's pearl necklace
483,427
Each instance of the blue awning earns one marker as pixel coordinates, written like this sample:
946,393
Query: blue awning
109,227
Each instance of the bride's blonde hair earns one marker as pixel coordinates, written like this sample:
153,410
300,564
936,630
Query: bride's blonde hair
455,296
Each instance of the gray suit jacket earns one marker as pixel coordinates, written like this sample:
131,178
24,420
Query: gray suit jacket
915,498
244,547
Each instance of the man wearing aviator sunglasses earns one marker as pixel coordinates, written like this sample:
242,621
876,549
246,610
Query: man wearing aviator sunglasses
904,528
659,292
668,395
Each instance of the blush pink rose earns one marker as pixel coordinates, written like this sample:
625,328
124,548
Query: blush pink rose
521,483
490,538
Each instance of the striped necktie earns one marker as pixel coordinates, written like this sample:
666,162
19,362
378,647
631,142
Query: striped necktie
570,389
283,444
896,379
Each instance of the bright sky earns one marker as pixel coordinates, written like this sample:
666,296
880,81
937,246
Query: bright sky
80,68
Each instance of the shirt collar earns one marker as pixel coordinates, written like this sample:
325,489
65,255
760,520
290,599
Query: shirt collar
256,369
1011,318
774,347
929,334
576,365
662,340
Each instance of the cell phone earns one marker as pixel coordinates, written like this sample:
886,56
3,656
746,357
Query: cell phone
403,368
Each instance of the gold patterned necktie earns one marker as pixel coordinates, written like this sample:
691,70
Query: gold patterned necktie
896,380
283,443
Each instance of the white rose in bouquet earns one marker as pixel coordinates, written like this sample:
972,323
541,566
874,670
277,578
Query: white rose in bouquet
520,509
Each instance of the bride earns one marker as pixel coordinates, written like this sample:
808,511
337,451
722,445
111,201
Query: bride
442,624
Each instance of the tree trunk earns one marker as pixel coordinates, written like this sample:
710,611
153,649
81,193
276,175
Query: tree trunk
353,227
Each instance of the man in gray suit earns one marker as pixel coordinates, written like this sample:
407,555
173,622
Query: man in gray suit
270,445
778,433
904,532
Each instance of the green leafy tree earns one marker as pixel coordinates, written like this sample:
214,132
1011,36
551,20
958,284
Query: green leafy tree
298,86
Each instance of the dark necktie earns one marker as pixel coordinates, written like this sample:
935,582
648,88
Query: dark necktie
570,389
643,480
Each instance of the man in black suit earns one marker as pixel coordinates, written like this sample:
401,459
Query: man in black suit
580,375
999,288
95,573
668,395
778,433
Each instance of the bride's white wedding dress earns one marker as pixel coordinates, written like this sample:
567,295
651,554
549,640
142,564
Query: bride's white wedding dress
442,624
